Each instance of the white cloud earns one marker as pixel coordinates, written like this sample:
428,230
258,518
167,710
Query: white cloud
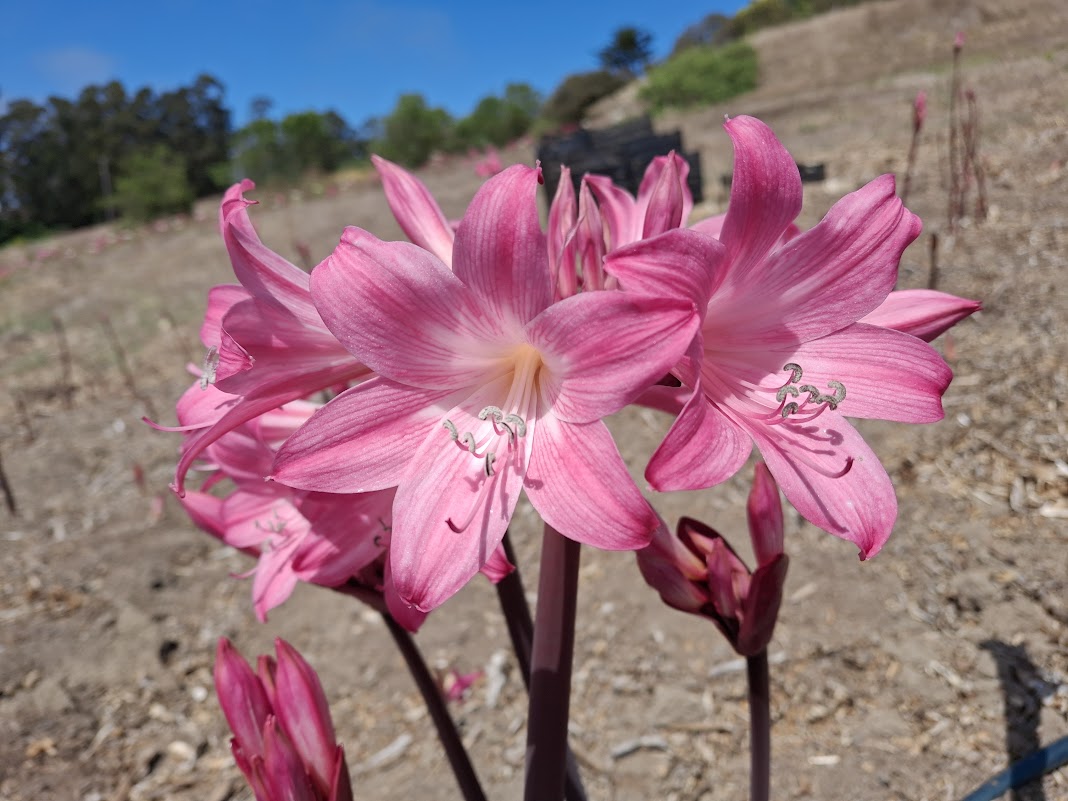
72,68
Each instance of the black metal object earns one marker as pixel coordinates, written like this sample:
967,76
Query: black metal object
621,152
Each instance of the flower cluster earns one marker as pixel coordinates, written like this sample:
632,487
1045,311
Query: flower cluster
404,395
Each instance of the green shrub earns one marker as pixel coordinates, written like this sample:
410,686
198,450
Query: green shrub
577,93
702,75
413,131
152,183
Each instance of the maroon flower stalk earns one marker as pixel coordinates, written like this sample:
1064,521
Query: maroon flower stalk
550,676
697,571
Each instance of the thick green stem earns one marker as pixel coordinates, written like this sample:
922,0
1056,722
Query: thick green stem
759,726
435,704
550,674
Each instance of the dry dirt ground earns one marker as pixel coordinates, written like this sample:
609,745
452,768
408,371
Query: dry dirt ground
914,676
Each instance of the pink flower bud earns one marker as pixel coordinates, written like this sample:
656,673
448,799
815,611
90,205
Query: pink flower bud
304,714
674,571
919,110
284,739
764,512
958,42
242,698
697,571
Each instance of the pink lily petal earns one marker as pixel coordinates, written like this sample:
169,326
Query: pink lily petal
619,210
401,312
562,216
807,462
498,567
400,610
664,205
765,194
244,409
713,227
671,400
680,264
282,347
205,511
579,484
417,213
241,696
350,533
304,713
710,226
220,300
363,439
638,340
887,375
255,517
680,168
341,784
589,248
728,579
674,571
283,772
703,447
764,514
924,313
274,580
829,276
449,516
500,249
260,270
760,607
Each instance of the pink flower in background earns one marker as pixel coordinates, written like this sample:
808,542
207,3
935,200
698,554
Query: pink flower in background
485,387
783,355
284,740
698,572
607,217
664,202
488,164
266,343
296,536
919,111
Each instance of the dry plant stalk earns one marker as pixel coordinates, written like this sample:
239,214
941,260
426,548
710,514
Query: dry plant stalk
956,170
24,416
66,365
932,270
124,367
9,494
973,168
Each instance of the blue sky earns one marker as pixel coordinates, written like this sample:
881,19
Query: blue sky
355,57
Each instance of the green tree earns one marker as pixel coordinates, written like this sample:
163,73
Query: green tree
569,101
151,183
628,53
413,131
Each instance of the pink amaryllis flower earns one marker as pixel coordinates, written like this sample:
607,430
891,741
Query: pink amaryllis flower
697,571
284,740
607,217
783,354
486,387
266,343
316,537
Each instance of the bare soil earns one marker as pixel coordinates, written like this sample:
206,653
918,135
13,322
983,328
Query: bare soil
914,676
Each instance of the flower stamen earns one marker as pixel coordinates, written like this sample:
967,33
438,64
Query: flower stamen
786,410
211,367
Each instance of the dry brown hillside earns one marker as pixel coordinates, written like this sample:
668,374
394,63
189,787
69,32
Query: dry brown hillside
911,677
